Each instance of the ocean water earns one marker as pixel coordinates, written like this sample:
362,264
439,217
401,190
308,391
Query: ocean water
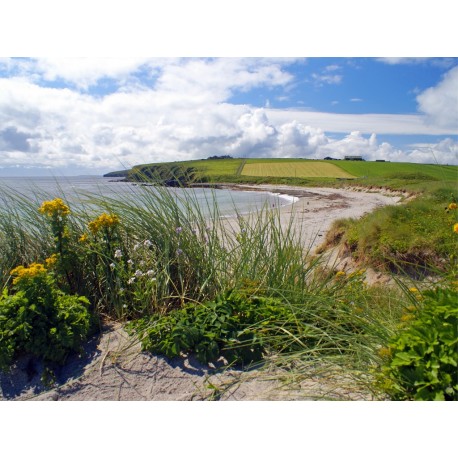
77,190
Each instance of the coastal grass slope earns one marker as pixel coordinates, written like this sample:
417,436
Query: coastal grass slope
293,171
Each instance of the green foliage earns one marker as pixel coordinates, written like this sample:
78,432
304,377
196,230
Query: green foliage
41,320
414,238
232,326
246,324
422,361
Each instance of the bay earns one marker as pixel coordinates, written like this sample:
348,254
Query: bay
77,191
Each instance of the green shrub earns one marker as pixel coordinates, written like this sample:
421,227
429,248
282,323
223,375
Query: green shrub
234,326
422,361
39,319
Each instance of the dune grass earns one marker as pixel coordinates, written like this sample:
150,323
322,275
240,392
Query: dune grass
161,264
416,238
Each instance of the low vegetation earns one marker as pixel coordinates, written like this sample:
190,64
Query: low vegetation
416,238
421,361
184,283
40,319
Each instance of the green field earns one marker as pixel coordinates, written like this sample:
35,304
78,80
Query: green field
300,169
395,175
398,169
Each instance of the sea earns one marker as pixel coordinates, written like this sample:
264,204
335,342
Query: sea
77,191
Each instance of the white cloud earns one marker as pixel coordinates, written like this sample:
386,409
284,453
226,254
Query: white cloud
444,152
326,79
332,68
440,103
256,136
298,140
183,115
402,60
355,144
328,76
174,74
85,72
366,123
215,79
442,62
81,72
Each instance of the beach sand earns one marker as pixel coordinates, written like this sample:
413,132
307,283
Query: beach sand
114,368
317,208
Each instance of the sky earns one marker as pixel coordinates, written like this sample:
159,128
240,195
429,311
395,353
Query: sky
92,115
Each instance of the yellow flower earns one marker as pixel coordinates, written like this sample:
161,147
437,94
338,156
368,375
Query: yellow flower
54,207
83,238
33,270
104,221
51,261
452,206
455,228
413,290
340,273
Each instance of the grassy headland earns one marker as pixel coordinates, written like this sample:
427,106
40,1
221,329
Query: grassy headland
291,171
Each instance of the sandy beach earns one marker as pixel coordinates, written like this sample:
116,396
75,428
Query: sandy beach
317,208
114,368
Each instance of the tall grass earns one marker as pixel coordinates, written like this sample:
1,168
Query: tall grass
415,238
192,251
167,250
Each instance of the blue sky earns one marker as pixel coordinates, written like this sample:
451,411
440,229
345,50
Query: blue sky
94,115
346,85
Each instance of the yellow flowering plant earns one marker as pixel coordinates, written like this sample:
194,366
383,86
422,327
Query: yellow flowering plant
51,261
54,208
103,242
39,318
61,260
23,274
105,222
453,207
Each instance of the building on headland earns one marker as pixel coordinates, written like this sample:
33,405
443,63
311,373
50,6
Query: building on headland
353,158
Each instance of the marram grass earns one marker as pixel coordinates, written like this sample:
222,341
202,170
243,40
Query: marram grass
133,260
